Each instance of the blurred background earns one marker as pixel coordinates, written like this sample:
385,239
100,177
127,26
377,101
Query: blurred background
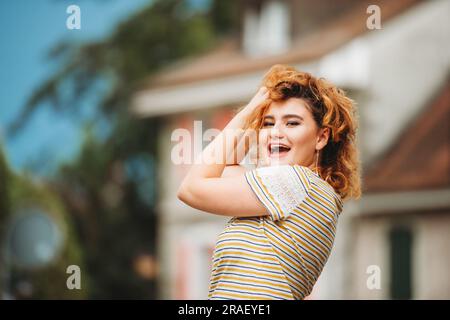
87,116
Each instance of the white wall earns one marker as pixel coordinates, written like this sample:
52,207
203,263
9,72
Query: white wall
409,61
432,257
181,228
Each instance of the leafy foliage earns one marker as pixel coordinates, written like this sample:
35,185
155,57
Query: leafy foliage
19,192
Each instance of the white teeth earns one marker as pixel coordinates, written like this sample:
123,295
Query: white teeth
278,149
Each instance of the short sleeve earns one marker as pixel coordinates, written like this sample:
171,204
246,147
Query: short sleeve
281,189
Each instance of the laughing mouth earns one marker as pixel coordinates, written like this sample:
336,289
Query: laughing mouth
278,149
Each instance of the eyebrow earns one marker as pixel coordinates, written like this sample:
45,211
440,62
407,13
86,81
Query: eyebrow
285,117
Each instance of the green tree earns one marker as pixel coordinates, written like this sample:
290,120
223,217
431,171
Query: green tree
47,282
17,193
4,202
4,192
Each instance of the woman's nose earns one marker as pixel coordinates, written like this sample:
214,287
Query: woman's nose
277,131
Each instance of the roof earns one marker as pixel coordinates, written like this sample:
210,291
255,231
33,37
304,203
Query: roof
227,59
420,158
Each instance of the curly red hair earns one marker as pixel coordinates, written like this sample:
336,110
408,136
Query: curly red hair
339,160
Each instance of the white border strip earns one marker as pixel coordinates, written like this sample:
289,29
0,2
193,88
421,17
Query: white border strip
404,201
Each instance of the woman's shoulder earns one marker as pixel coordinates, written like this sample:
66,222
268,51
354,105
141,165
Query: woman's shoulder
283,188
322,189
290,175
294,175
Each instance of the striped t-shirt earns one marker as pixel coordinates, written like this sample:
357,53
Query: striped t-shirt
279,256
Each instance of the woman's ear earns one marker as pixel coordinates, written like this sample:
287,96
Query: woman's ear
322,139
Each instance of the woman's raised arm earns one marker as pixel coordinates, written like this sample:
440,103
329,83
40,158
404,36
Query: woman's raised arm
205,189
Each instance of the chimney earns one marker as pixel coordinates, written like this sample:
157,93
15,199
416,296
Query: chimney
266,27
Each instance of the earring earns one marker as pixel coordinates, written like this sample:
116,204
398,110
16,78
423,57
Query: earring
317,162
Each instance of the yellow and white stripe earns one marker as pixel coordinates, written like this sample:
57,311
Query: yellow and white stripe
279,256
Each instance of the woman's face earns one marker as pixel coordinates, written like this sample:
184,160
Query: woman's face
289,135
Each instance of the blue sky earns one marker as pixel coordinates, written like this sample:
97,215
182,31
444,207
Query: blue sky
28,29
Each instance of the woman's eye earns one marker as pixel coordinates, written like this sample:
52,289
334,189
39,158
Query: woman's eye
293,123
267,124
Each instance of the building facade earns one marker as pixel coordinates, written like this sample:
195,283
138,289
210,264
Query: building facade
399,230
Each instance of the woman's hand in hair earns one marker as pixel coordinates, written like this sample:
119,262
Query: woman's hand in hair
206,187
259,98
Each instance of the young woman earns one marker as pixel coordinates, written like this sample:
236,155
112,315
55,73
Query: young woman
285,211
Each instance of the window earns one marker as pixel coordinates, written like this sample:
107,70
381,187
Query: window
400,239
